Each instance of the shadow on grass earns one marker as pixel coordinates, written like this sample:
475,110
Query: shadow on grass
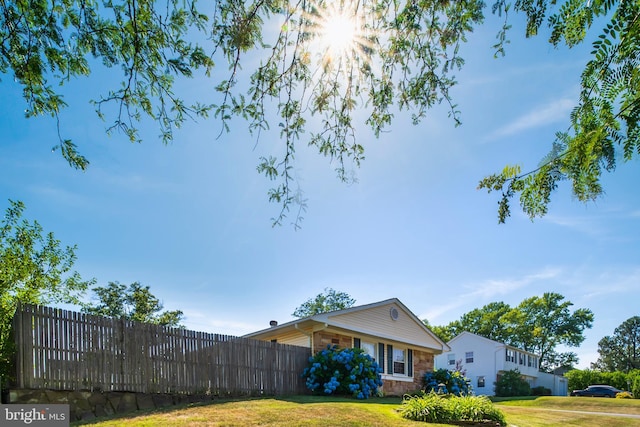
306,399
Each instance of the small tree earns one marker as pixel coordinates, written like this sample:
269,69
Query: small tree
511,383
329,300
133,303
343,371
34,269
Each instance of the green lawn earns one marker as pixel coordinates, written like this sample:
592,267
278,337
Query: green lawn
331,411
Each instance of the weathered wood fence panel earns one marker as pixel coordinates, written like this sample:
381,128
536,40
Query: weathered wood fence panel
64,350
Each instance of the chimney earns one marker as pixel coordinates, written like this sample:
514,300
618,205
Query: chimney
273,323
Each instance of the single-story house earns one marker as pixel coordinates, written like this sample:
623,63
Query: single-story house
387,330
484,360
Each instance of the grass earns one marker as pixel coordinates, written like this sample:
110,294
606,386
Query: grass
337,411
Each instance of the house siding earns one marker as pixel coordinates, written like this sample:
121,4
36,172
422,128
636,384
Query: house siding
294,339
378,319
489,362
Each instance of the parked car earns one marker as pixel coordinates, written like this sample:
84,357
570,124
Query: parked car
597,391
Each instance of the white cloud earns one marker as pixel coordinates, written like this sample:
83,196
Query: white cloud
487,291
554,112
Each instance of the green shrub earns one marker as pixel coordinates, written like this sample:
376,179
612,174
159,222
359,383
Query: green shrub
445,381
343,371
511,383
540,391
437,408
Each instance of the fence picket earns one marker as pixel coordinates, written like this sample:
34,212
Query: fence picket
65,350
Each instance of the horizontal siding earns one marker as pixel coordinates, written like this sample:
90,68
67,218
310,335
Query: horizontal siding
297,339
377,321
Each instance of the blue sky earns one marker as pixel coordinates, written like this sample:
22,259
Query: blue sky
192,221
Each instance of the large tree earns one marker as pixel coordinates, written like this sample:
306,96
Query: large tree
135,302
538,324
392,56
621,351
329,300
485,321
34,269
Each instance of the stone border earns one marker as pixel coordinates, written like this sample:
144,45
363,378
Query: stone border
87,405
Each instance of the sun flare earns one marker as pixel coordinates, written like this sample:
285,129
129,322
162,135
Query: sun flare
338,32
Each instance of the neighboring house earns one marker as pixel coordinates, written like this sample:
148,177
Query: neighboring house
387,330
484,360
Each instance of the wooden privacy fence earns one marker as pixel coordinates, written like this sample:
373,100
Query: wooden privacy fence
64,350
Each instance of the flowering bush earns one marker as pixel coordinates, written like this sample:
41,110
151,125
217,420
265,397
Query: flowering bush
436,408
445,382
343,371
624,395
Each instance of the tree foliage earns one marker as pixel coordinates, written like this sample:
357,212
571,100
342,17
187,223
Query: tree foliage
511,383
581,379
403,57
135,302
604,124
34,269
538,324
621,351
329,300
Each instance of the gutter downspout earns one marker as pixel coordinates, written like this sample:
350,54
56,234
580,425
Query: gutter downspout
310,334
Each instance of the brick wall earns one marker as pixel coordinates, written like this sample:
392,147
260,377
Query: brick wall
422,363
322,339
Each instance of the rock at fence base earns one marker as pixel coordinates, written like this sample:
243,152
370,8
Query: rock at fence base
162,400
87,415
127,403
58,397
101,410
97,399
114,399
144,401
79,401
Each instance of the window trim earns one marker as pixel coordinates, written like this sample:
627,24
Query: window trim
468,357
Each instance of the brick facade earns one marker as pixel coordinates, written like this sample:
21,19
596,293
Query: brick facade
322,339
423,362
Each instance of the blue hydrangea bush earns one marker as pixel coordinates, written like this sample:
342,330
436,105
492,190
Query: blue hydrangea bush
443,381
348,371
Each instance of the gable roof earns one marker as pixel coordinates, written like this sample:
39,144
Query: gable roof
471,335
373,320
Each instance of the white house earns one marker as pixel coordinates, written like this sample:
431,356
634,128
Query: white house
484,360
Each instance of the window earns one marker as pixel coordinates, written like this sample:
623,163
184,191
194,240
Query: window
481,382
369,348
521,358
510,356
399,365
451,359
468,357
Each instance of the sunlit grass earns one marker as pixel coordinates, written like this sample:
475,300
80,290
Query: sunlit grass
332,411
623,406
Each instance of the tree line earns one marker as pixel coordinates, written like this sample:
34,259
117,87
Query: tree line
36,268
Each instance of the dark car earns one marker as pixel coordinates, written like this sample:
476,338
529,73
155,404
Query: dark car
597,391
